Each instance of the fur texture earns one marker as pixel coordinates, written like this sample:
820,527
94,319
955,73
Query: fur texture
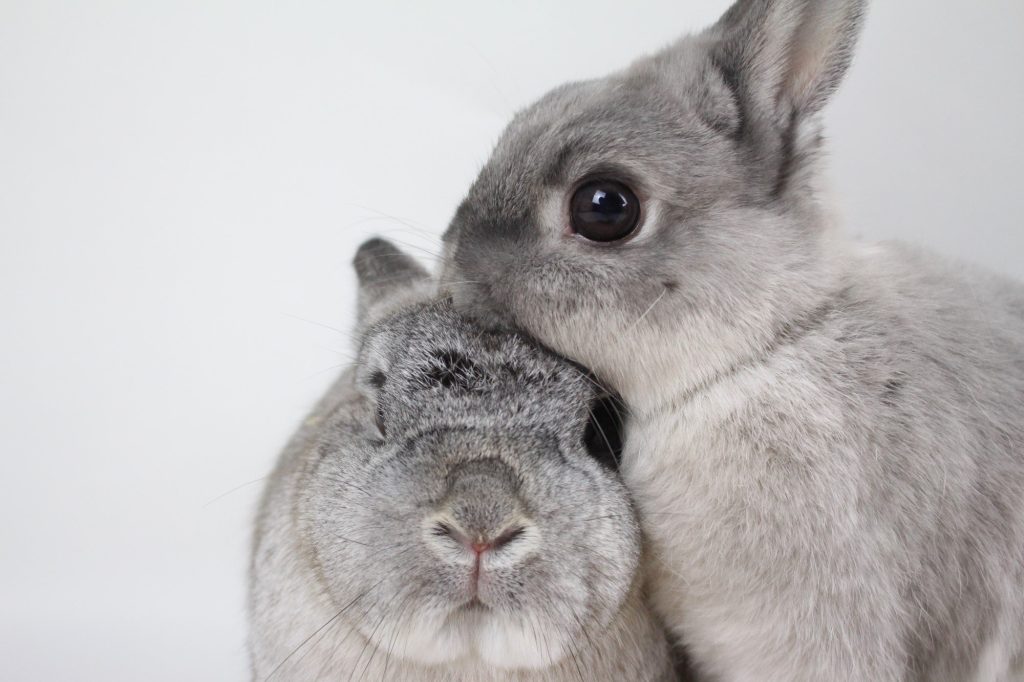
827,438
444,435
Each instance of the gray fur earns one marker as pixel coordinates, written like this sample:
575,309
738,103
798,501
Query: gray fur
446,433
827,438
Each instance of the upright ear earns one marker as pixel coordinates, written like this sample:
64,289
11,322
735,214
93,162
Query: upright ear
387,277
784,58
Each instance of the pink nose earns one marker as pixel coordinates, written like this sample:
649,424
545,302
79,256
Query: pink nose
481,547
480,543
509,535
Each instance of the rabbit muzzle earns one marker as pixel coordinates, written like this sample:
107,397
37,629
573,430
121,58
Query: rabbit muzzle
481,525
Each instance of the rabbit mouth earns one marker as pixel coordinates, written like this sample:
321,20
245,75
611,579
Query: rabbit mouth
474,605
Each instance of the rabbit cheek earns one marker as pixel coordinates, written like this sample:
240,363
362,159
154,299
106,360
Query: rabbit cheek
590,317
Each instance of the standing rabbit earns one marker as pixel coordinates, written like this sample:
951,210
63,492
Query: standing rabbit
439,518
826,442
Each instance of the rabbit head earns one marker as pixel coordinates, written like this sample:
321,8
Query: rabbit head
465,516
661,224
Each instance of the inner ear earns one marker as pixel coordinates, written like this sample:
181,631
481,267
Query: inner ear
787,56
604,435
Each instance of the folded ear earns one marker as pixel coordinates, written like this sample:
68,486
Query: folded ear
784,58
387,277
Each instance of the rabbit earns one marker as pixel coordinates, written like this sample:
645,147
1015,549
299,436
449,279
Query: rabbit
438,517
825,439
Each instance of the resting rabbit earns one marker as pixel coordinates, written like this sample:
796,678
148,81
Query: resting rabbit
826,442
438,517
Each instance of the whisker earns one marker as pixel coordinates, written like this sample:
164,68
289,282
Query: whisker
493,83
371,209
337,645
320,629
324,370
235,489
318,324
649,309
366,645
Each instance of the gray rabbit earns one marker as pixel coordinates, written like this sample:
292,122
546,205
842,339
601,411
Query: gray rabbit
826,442
438,516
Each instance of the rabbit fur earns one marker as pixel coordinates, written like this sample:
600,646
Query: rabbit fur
826,438
445,434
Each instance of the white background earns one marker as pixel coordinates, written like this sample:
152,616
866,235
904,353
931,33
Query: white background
182,186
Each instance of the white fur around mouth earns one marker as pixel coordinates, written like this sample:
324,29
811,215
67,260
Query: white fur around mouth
518,644
474,632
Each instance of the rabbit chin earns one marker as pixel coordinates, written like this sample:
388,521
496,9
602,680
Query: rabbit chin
484,636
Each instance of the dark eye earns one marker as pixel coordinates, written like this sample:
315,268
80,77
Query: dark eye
604,211
603,437
378,379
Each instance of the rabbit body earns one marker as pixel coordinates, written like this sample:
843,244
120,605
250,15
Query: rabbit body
860,480
437,518
826,441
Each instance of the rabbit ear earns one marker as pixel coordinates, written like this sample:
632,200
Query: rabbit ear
385,274
784,58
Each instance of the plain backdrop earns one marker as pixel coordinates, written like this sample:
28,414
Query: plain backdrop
182,187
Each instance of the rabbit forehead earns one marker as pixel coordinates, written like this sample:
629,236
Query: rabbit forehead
443,363
665,124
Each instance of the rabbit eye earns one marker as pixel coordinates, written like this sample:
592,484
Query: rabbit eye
604,211
378,379
603,437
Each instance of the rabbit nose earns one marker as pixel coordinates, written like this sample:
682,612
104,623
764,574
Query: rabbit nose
482,510
480,543
505,537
